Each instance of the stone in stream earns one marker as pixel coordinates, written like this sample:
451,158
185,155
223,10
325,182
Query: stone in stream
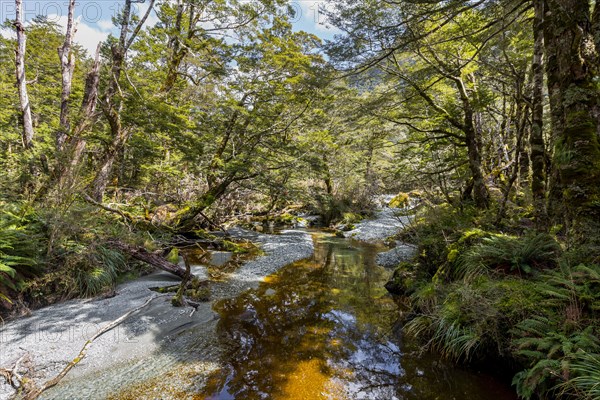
391,259
220,258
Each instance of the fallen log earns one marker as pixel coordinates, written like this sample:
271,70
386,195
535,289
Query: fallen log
156,260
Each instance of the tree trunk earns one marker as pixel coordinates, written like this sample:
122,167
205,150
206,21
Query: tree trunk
121,136
570,38
113,103
555,193
521,117
185,221
139,253
480,192
536,139
25,106
112,109
77,143
67,65
177,53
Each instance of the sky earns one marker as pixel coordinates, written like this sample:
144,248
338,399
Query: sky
95,24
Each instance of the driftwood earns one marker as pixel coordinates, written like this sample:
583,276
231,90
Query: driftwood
156,260
12,377
178,300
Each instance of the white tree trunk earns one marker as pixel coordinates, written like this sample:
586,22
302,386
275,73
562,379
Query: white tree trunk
67,64
21,79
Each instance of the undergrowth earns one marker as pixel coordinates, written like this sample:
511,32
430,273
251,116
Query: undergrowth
480,294
20,250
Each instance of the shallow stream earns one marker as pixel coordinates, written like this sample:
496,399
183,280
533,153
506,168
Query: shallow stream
320,328
325,328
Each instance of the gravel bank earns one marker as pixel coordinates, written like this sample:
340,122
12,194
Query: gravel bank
385,224
160,341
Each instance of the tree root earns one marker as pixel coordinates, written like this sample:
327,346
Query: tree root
12,376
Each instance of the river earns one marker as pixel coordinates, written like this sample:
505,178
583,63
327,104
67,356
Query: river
325,328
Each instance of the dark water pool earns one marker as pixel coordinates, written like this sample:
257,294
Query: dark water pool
326,328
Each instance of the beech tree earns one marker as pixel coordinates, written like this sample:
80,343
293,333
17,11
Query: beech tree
25,105
571,32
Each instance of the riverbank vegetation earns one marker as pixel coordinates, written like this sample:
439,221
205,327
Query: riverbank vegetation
224,113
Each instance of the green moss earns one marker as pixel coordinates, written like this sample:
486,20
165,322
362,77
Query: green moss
200,294
243,247
452,255
351,218
286,218
173,256
403,281
400,200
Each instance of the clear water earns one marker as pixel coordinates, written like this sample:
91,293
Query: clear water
326,328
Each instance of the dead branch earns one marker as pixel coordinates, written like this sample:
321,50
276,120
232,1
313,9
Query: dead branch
35,393
128,217
12,376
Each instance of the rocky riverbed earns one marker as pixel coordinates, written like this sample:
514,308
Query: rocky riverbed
160,346
157,339
386,222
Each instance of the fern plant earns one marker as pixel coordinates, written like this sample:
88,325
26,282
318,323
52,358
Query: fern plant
550,352
561,347
19,253
507,253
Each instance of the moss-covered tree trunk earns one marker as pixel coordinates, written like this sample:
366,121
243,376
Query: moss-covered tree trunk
572,75
480,191
536,138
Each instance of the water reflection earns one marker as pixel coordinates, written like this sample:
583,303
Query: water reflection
324,329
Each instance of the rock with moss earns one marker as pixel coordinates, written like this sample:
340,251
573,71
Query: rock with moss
391,259
403,281
401,200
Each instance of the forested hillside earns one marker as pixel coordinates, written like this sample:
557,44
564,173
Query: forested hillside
483,114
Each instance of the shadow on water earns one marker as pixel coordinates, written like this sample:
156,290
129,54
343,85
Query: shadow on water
326,328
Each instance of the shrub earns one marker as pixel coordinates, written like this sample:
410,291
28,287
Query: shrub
95,269
20,250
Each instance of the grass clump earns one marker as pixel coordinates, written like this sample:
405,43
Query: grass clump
96,269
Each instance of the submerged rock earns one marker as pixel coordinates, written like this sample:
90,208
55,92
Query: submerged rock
220,258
